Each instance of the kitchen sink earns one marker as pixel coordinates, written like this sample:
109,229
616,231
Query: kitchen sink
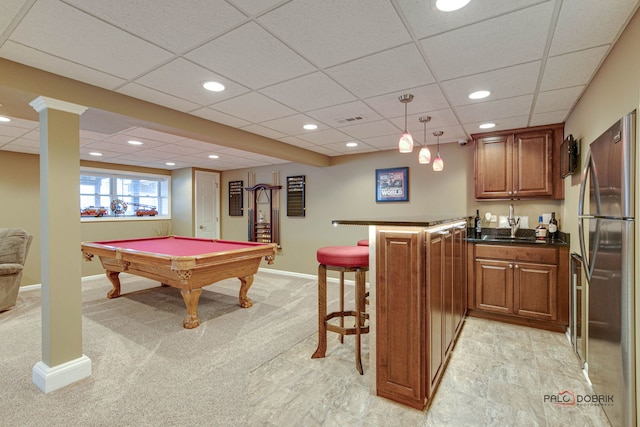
509,238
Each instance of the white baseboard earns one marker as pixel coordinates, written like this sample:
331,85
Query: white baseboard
49,379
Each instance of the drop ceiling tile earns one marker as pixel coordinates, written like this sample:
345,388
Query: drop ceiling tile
21,123
253,107
21,149
341,147
550,117
503,83
439,119
500,42
9,9
324,137
493,110
44,61
501,124
8,129
371,129
184,79
388,71
113,147
599,23
252,57
201,145
157,97
152,135
150,19
555,100
179,149
4,140
25,142
254,7
323,150
425,99
572,69
426,20
310,92
291,125
383,142
67,33
220,117
345,114
336,31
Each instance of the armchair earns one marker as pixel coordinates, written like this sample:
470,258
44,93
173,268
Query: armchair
14,246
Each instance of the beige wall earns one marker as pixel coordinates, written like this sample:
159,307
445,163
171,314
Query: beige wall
346,190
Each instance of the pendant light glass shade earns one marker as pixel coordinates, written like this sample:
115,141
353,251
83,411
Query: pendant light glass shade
424,157
438,163
405,145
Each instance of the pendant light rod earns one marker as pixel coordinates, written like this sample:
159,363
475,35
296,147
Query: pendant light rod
405,144
438,134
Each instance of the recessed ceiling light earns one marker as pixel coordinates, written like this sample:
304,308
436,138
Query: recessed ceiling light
95,154
214,156
170,164
213,86
4,119
310,126
487,125
479,94
451,5
133,142
352,144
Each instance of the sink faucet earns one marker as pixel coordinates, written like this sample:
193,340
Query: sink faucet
513,222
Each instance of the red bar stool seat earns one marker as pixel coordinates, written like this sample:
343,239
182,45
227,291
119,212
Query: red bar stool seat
363,242
343,259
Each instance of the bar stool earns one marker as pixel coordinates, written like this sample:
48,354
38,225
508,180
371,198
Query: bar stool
343,259
363,242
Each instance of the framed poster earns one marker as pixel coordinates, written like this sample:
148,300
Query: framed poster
392,185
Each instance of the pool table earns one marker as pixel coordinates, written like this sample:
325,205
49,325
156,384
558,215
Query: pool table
185,263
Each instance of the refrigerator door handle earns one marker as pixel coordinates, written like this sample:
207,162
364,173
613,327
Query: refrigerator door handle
581,216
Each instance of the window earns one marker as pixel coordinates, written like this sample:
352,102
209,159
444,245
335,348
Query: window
120,194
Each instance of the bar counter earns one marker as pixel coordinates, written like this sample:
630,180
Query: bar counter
417,279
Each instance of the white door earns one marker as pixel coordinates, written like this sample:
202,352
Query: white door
207,205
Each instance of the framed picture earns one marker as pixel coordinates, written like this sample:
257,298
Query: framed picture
392,185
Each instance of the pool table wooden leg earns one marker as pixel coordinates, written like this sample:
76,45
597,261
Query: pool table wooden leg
115,282
191,297
245,301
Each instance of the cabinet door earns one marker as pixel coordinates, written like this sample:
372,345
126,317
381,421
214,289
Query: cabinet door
447,288
494,167
535,292
459,276
494,286
532,168
436,306
400,308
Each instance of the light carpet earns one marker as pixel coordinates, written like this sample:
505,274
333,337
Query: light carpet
147,369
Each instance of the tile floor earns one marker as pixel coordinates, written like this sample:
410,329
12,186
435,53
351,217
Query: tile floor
498,375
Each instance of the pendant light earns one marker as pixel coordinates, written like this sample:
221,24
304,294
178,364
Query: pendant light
424,158
438,163
405,145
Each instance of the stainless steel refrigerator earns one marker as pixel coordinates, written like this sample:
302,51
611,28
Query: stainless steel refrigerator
608,258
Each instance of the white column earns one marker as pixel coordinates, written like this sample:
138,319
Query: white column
62,360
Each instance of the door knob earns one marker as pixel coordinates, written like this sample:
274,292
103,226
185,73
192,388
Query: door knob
202,227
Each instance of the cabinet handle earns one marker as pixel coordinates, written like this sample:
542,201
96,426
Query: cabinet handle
510,265
510,192
517,266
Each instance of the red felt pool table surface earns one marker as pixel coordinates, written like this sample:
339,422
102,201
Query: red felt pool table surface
180,246
185,263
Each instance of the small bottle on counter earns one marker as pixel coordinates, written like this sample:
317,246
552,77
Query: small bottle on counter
553,227
477,224
541,230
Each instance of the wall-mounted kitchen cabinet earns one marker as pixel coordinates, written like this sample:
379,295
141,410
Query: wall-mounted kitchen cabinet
519,164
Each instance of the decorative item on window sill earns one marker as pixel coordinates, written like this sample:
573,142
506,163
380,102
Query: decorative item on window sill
405,145
438,163
424,157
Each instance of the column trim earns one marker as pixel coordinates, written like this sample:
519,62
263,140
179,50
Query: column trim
42,103
49,379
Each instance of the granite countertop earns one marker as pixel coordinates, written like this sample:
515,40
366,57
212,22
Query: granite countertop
415,221
494,236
